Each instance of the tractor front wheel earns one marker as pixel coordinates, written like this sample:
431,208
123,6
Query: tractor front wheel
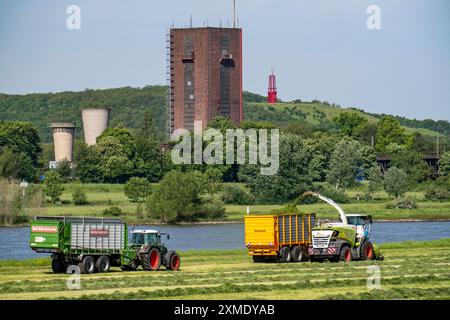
173,261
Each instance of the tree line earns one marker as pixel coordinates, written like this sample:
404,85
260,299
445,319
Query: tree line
311,158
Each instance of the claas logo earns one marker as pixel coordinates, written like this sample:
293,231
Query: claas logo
44,229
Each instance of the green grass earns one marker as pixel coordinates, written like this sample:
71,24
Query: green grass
426,211
411,270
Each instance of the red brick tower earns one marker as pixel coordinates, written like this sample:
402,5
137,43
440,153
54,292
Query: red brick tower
205,75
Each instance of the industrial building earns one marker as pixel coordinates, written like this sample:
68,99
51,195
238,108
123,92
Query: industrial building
63,136
205,76
95,121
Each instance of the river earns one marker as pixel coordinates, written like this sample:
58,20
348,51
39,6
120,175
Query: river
14,241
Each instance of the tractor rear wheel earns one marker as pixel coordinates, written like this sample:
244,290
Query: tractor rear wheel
366,252
284,255
173,262
345,254
151,261
103,264
87,265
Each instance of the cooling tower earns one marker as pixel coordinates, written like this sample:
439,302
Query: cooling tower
63,135
95,121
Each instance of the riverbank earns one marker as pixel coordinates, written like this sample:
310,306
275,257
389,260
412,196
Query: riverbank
104,196
411,270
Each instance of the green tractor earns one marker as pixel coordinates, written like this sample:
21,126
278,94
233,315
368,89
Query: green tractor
346,240
97,244
146,249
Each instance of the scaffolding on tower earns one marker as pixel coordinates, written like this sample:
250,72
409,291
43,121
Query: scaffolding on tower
169,93
272,91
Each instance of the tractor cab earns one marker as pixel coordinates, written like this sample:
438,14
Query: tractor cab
146,237
363,225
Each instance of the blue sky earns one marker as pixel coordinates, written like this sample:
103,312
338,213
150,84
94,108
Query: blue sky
319,49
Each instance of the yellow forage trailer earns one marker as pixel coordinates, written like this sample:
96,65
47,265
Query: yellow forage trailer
283,237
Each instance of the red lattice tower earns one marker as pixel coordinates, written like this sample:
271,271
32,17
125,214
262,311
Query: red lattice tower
272,92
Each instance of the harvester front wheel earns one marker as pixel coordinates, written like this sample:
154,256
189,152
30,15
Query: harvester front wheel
284,255
103,264
366,251
87,265
345,254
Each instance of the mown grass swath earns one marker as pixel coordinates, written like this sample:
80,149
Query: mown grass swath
412,270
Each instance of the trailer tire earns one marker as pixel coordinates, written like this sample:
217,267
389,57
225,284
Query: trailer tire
284,255
366,251
345,254
296,254
57,265
87,265
173,262
151,261
103,264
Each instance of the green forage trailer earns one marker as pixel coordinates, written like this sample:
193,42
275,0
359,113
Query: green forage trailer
96,244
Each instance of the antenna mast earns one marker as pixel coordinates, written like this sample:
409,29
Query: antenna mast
234,13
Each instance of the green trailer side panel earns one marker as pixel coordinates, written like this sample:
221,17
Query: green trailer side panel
46,235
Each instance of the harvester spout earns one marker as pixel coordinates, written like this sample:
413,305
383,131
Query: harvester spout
331,202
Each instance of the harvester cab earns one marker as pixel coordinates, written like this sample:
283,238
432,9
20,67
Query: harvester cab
346,240
363,223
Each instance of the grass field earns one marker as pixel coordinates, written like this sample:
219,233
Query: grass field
411,270
102,196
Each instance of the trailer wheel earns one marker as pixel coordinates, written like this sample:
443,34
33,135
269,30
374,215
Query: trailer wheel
103,264
296,254
345,254
284,255
87,265
57,265
173,263
366,252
